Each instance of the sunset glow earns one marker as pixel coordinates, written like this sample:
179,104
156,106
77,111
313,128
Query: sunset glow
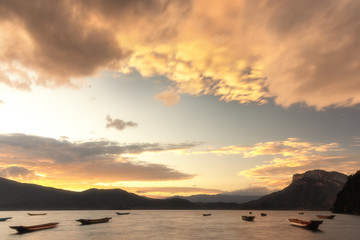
164,98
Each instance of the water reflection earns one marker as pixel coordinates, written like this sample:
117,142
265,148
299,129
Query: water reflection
181,224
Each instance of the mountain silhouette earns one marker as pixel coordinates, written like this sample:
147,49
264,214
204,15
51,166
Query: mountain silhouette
312,190
348,199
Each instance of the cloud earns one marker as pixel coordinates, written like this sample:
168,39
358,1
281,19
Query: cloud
119,124
251,191
289,147
16,172
174,190
245,51
289,156
277,173
168,97
356,141
92,162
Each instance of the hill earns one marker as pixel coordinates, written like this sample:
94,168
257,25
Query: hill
312,190
22,196
219,198
348,199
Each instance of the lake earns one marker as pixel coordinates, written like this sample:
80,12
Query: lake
179,224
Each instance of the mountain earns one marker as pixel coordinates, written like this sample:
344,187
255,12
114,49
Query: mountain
348,199
312,190
23,196
219,198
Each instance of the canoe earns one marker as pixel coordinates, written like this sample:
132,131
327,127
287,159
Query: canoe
326,216
4,219
206,214
122,213
311,224
248,218
37,214
25,229
93,221
263,214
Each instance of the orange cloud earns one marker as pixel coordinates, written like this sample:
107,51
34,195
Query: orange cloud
290,156
168,97
245,51
277,173
289,147
61,162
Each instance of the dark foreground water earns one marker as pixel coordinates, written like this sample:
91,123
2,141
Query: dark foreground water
179,224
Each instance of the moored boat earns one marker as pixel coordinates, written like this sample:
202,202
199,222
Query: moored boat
311,224
122,213
206,214
4,219
326,216
37,214
301,213
93,221
25,229
248,218
263,214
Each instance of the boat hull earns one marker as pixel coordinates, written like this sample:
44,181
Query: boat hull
311,225
248,218
93,221
25,229
4,219
326,216
37,214
125,213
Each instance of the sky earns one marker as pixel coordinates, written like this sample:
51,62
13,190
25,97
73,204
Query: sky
164,98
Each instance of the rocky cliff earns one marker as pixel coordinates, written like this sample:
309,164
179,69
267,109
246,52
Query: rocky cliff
312,190
348,199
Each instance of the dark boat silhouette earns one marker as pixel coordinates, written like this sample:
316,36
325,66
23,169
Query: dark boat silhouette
311,224
248,218
122,213
206,214
326,216
93,221
37,214
4,219
25,229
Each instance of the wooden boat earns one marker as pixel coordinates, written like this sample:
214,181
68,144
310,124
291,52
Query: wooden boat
37,214
326,216
250,212
263,214
248,218
122,213
25,229
311,224
4,219
93,221
206,214
301,213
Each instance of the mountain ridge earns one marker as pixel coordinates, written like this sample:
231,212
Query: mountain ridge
348,199
312,190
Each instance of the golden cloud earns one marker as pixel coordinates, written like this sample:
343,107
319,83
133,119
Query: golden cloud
168,97
245,51
290,156
47,160
289,147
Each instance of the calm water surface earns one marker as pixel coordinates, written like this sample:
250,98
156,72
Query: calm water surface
178,224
